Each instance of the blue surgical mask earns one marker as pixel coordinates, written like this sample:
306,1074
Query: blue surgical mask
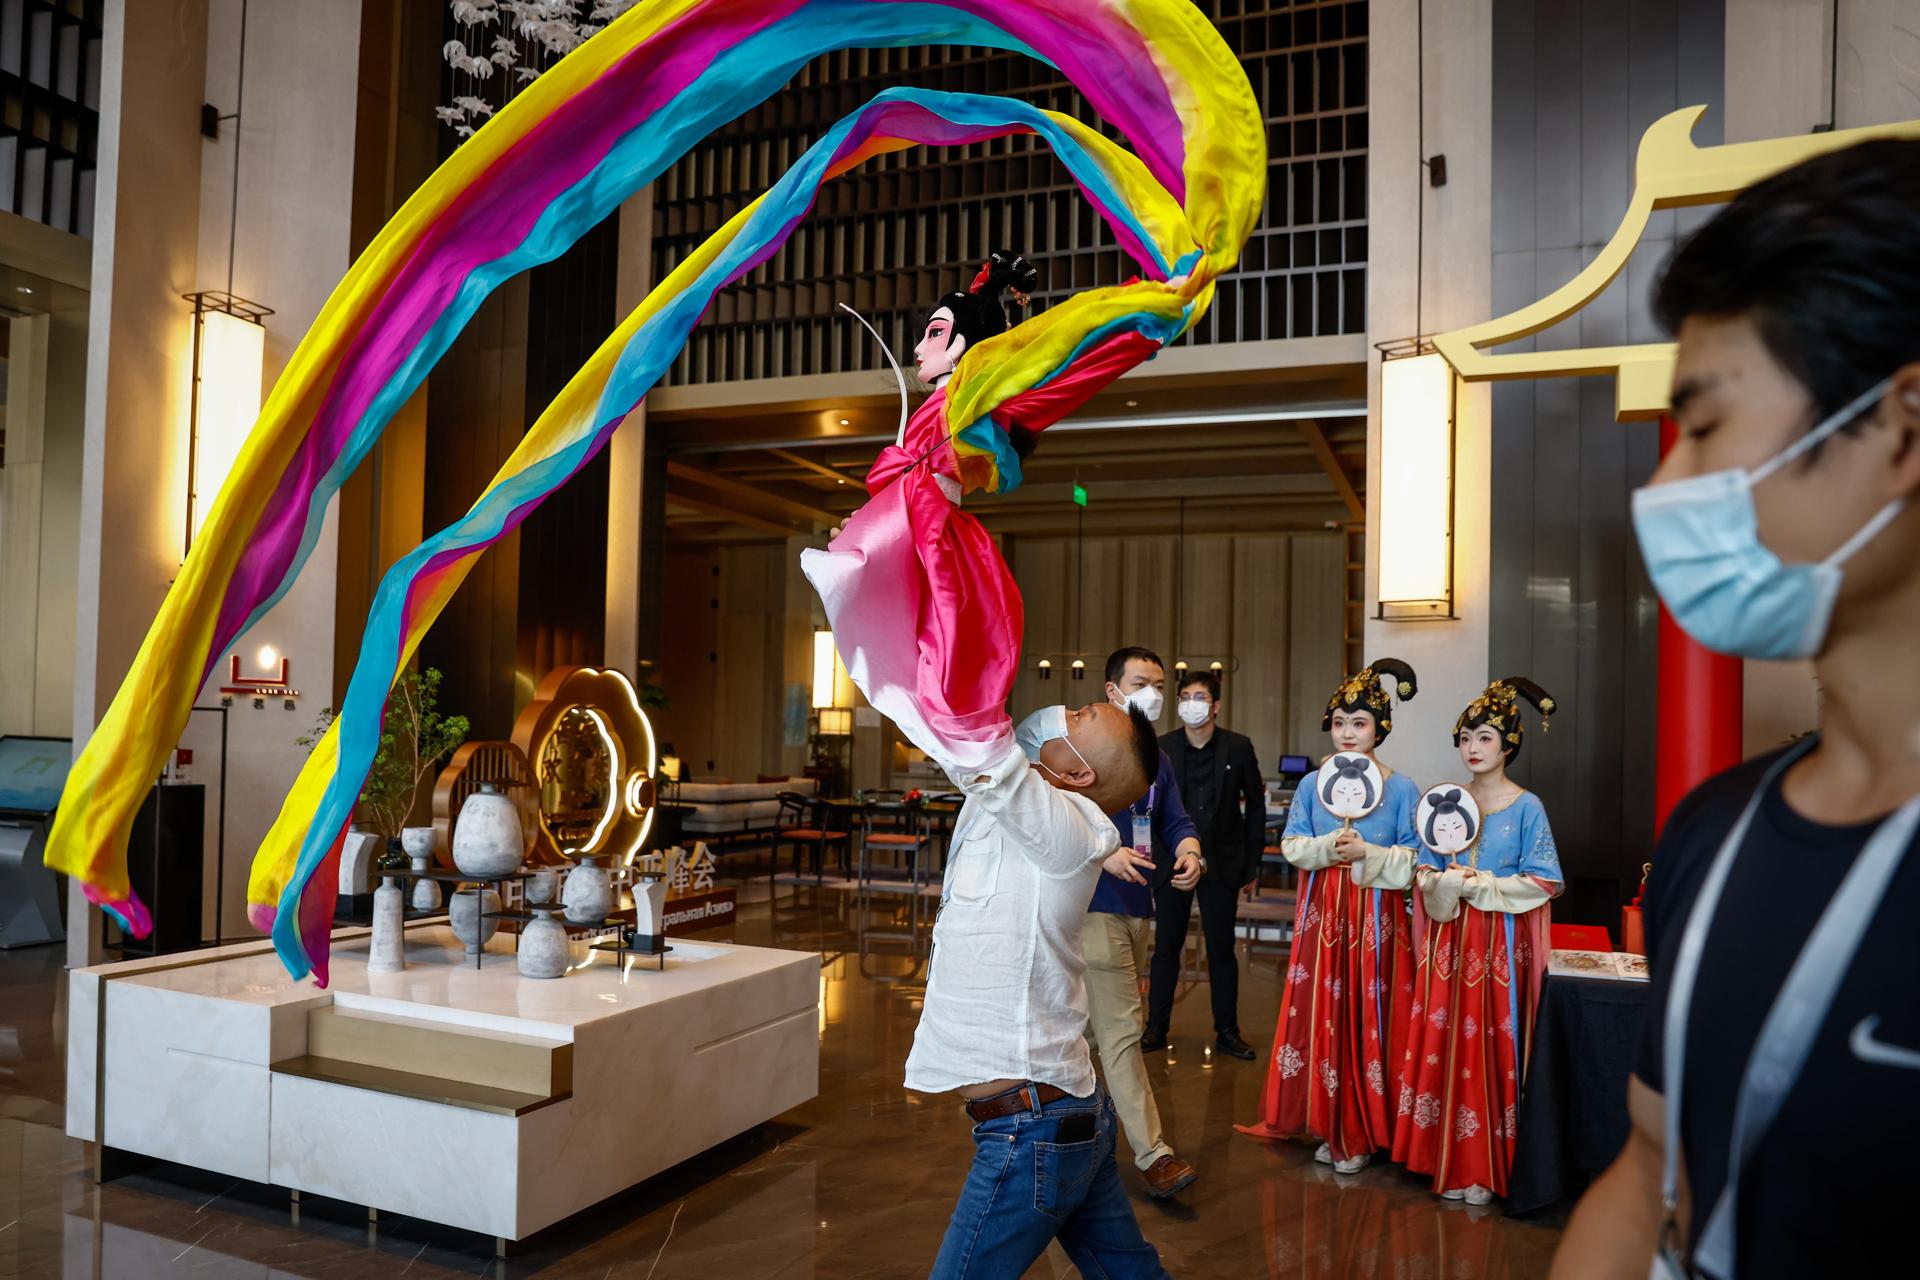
1701,541
1042,727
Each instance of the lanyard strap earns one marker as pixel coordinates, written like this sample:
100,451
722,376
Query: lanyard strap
1686,967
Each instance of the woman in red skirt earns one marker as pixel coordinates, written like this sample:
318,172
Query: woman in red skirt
1335,1061
1480,927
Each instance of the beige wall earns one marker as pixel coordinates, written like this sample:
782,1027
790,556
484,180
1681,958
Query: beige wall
1450,657
1267,605
738,650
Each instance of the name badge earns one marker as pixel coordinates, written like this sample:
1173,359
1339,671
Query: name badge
1143,832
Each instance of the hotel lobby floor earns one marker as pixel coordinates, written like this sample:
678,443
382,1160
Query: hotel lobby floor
856,1184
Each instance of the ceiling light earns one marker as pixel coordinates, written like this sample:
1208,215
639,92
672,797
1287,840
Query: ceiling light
846,422
21,288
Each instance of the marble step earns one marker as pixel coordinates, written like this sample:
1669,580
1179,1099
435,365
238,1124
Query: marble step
490,1062
420,1088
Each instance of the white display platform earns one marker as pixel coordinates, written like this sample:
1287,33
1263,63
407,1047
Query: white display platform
174,1058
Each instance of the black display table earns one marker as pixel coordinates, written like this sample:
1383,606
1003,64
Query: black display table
1573,1110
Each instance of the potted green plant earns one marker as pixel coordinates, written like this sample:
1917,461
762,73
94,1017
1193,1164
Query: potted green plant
414,738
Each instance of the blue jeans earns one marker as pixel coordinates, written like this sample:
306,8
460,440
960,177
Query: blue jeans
1026,1187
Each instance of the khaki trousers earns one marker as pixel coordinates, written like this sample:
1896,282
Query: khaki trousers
1116,949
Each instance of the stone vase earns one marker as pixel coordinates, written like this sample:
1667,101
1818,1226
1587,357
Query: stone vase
388,951
418,843
464,912
487,841
541,885
588,893
544,950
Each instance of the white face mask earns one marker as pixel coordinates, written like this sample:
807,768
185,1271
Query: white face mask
1701,541
1194,714
1147,700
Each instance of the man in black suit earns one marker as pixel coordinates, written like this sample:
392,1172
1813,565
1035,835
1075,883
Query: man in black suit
1219,781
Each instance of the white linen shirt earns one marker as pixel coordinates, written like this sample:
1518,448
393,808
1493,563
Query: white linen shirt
1006,991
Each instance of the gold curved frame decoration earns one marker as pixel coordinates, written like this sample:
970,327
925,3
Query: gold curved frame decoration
1670,172
606,698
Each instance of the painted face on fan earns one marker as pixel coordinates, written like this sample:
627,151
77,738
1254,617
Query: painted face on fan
1354,731
1481,750
940,348
1348,795
1450,832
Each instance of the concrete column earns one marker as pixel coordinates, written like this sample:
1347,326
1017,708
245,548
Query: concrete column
626,480
165,210
290,243
145,256
22,508
1455,288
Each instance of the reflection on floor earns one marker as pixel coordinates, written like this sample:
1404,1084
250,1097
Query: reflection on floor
856,1184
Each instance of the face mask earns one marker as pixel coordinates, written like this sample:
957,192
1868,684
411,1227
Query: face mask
1042,727
1701,542
1148,701
1194,714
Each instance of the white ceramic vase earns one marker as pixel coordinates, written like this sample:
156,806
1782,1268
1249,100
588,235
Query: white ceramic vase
588,893
487,841
418,842
465,912
649,906
544,951
387,953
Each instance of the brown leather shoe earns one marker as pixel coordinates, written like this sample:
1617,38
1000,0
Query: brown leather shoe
1168,1175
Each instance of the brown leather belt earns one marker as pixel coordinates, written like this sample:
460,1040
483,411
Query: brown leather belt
1026,1097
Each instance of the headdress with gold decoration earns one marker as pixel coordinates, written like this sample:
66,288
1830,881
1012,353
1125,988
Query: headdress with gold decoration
1368,690
1499,707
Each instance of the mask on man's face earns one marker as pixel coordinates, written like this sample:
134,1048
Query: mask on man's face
1147,700
1701,540
1194,714
1042,727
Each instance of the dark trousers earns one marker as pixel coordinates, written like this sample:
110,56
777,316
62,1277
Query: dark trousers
1171,909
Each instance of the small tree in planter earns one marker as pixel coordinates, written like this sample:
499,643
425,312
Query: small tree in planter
414,739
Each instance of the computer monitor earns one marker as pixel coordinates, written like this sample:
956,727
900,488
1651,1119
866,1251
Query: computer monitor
1295,767
33,772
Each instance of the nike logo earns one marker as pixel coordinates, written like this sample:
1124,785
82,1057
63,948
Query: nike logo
1866,1048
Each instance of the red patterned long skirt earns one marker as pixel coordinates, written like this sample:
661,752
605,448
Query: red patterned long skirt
1339,1042
1476,988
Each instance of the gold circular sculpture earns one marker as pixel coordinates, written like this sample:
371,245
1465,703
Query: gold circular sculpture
592,752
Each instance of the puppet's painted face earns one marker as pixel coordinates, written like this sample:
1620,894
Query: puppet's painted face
1450,833
1354,731
940,348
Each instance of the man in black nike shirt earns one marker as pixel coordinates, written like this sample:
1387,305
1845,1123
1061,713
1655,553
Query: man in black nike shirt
1786,523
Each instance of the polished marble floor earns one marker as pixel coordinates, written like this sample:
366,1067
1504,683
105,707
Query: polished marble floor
858,1183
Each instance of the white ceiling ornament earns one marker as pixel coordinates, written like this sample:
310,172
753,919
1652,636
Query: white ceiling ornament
520,39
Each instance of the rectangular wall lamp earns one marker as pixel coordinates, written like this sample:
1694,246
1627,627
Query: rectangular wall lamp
829,673
1416,486
229,359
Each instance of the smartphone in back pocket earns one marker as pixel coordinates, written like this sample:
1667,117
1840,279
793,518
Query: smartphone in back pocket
1077,1127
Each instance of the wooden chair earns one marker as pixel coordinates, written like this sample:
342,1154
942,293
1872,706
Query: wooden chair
906,832
806,822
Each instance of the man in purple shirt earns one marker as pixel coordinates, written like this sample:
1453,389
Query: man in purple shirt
1119,920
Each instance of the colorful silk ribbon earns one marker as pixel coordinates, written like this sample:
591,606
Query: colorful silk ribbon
602,123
